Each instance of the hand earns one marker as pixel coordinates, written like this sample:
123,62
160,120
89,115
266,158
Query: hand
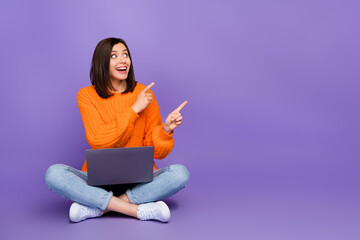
174,119
143,99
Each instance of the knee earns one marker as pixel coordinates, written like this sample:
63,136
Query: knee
53,174
180,174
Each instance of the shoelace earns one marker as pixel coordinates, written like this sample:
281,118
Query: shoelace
147,214
86,211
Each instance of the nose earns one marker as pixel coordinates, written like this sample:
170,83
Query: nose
122,59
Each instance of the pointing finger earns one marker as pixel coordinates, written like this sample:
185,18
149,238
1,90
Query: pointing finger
181,106
148,87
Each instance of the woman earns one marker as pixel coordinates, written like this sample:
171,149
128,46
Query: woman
119,112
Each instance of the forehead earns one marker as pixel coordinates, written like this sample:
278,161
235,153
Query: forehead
119,47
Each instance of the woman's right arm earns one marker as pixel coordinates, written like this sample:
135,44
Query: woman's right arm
105,135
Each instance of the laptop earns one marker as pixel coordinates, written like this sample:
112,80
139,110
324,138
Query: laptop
109,166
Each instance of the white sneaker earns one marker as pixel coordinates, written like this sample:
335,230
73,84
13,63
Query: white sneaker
79,212
154,211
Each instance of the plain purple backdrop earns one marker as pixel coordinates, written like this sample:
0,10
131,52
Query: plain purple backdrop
270,135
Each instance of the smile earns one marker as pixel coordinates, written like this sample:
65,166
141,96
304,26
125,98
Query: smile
121,69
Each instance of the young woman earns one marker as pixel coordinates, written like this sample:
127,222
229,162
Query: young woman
119,112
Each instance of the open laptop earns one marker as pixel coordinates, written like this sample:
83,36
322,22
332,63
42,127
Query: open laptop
110,166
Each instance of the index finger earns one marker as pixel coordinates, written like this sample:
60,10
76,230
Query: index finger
148,87
181,106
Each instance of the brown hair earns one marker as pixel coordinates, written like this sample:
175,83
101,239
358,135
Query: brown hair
99,71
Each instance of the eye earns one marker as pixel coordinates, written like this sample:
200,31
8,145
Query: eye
125,55
113,56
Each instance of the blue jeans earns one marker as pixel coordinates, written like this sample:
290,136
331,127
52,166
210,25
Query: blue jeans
72,184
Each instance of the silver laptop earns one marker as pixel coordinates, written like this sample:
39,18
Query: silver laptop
110,166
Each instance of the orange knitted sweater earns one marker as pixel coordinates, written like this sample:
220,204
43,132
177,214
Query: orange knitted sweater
112,123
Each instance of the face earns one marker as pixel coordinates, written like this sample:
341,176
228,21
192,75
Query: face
120,63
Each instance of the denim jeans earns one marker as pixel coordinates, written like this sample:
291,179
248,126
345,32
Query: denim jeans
72,184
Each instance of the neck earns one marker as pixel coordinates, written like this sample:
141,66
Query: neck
119,86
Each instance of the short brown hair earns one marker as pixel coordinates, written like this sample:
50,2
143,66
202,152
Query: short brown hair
99,71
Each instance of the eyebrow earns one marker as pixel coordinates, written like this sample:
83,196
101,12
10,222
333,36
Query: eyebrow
125,50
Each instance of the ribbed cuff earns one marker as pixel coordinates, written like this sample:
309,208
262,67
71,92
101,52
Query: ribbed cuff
132,115
162,134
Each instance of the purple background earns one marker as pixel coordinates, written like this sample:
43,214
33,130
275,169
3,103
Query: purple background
270,134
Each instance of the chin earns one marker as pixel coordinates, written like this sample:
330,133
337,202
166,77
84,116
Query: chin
122,78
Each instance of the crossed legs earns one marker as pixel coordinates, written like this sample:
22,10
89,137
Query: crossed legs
72,184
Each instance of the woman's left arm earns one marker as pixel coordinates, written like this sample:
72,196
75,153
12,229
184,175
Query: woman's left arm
158,134
155,135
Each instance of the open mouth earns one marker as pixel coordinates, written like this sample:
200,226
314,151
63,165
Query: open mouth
121,69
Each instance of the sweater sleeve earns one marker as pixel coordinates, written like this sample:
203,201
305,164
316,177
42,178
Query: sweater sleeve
100,134
155,136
